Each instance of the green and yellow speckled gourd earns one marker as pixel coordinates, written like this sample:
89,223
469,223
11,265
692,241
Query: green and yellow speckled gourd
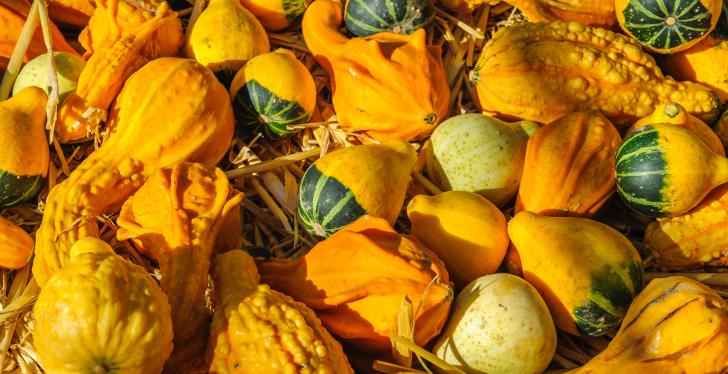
276,15
148,132
101,314
665,170
541,72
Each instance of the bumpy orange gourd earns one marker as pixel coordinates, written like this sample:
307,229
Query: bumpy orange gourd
259,330
74,13
569,168
121,38
149,132
356,280
676,325
541,72
16,246
387,85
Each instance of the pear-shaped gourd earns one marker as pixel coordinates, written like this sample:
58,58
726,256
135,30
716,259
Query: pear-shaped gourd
477,153
666,170
24,156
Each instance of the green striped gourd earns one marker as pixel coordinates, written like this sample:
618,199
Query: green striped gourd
274,91
368,17
587,272
351,182
666,170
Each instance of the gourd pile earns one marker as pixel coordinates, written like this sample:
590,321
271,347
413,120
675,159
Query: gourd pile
401,186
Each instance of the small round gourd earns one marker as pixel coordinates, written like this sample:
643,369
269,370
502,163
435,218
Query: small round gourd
35,73
368,17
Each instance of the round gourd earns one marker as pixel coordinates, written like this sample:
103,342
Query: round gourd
273,90
666,170
477,153
351,182
367,17
499,324
668,26
35,73
276,15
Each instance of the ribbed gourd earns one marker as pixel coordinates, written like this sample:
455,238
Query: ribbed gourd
17,245
665,170
256,329
541,72
109,313
351,182
276,15
272,92
368,17
24,144
587,272
668,26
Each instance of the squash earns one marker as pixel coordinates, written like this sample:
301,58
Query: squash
273,90
120,39
387,85
476,153
24,159
668,26
541,72
587,272
569,166
499,324
368,17
116,319
589,12
174,218
148,132
453,224
276,15
35,73
693,239
654,337
74,13
224,37
665,170
351,182
248,313
17,248
356,280
675,114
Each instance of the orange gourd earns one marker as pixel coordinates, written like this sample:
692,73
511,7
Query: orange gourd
16,246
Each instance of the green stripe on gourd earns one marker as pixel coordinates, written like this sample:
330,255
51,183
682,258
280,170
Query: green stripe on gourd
15,189
255,107
667,24
721,28
367,17
293,9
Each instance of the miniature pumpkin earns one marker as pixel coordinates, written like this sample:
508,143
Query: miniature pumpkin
17,245
368,17
589,12
387,85
276,15
356,280
248,313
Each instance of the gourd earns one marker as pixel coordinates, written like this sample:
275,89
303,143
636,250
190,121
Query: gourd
276,15
654,337
387,85
499,324
541,72
356,280
17,245
120,39
569,166
259,330
454,224
693,239
148,132
175,218
589,12
675,114
74,13
35,73
24,156
665,170
273,90
668,26
368,17
721,128
351,182
224,37
587,272
109,313
477,153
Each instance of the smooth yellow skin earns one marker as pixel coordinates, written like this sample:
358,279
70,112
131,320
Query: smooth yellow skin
465,230
498,324
270,13
703,63
101,314
22,133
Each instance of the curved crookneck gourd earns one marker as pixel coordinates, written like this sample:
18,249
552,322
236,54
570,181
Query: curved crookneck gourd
541,72
259,330
174,218
121,38
356,280
146,135
676,325
387,85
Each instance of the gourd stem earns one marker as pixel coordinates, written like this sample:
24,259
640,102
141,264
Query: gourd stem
21,46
